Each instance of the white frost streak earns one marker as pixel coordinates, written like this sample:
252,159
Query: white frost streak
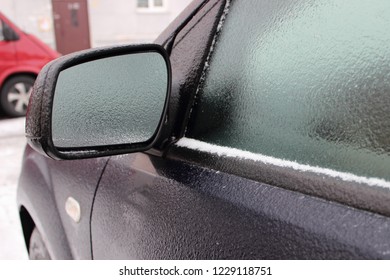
236,153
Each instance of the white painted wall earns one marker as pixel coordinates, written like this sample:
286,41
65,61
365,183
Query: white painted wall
111,21
120,22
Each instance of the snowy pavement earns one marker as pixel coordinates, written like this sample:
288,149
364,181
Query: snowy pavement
12,142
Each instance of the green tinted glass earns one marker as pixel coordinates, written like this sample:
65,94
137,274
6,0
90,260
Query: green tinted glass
307,81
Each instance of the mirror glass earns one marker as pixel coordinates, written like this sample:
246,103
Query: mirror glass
109,101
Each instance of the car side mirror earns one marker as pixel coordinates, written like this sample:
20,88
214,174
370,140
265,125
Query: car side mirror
100,102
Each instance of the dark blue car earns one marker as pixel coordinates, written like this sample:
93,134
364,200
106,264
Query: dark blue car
249,130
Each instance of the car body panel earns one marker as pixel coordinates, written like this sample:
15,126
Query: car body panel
42,187
82,188
7,57
167,209
35,195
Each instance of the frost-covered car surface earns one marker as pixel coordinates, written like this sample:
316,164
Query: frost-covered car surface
273,142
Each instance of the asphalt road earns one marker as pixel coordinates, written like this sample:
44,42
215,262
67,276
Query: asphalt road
12,142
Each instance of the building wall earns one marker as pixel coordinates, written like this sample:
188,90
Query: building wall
120,22
33,16
110,21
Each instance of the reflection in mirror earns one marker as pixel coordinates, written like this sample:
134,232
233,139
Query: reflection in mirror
109,101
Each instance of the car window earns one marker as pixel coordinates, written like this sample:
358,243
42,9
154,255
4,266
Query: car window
1,31
304,81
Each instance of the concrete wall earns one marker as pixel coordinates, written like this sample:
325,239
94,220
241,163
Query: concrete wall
111,21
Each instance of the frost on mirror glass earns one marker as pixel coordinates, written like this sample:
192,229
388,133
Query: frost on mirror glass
304,81
114,100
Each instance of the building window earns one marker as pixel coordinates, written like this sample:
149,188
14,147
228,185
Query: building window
151,5
142,3
158,3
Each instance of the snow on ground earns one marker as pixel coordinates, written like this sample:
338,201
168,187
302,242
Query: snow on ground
12,142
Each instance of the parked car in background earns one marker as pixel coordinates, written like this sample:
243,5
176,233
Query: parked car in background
21,58
252,129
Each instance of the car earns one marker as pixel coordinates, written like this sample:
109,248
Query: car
22,56
247,130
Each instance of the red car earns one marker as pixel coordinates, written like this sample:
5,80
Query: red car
21,58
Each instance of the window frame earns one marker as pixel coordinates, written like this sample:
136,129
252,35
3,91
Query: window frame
152,8
2,39
331,188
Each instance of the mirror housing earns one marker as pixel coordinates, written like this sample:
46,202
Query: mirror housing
40,123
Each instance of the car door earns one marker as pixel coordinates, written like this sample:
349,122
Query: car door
279,114
7,51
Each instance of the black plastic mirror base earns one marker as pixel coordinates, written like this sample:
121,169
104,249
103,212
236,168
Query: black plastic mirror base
39,127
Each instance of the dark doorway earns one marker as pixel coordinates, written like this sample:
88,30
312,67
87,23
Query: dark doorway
71,25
